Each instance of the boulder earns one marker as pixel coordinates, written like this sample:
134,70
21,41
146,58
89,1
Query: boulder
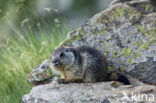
102,92
126,34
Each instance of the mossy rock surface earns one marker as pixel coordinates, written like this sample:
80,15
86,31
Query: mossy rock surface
126,34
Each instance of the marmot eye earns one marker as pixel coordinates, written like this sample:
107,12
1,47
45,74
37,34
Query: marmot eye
62,55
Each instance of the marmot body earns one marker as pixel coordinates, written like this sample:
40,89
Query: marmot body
83,64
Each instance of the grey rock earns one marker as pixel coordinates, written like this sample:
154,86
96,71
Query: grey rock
101,92
41,74
126,34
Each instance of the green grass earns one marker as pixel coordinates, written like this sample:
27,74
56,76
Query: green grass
20,51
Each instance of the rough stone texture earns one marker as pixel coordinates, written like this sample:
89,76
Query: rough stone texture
90,93
126,34
41,74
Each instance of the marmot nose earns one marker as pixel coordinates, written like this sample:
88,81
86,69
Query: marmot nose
55,62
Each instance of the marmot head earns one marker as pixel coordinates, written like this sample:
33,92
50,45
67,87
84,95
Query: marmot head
63,57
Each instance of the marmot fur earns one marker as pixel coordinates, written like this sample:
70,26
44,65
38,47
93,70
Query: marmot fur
83,64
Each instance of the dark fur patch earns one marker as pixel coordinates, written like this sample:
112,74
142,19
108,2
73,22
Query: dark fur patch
93,64
115,76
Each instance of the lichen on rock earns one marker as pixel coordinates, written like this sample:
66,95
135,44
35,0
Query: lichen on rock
41,73
126,34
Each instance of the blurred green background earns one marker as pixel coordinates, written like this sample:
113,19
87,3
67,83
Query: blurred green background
29,31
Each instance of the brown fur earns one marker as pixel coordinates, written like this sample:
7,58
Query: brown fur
88,65
83,64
